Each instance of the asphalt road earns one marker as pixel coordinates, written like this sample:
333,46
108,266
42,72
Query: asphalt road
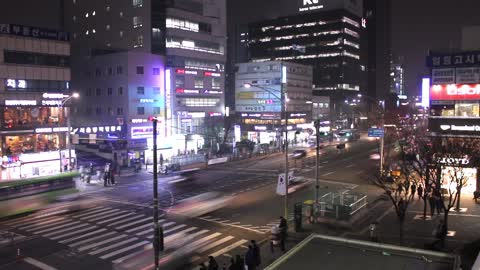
114,223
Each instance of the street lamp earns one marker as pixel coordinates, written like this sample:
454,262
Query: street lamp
69,145
283,100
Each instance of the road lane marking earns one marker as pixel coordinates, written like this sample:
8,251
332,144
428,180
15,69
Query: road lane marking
133,223
105,216
72,233
38,264
82,236
350,165
87,217
115,218
41,224
228,248
236,226
55,228
175,228
106,256
125,220
325,174
91,239
143,226
214,244
113,246
66,230
82,248
104,210
173,236
201,241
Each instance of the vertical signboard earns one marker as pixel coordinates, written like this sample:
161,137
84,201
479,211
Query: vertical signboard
425,92
168,102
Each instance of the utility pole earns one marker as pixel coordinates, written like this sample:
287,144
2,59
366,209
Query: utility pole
317,157
284,112
158,231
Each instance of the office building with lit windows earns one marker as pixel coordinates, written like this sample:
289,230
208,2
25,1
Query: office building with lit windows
34,87
328,39
179,44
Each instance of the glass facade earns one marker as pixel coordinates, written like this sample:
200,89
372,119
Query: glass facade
15,118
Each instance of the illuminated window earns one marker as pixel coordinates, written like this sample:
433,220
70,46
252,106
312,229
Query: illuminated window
140,110
198,82
350,21
86,15
351,33
137,21
93,31
216,83
86,33
199,102
93,13
141,90
107,8
137,3
467,109
182,24
179,81
107,27
138,41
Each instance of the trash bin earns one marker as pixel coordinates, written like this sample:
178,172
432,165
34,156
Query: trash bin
297,216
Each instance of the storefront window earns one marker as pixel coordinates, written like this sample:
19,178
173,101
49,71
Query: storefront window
24,117
467,109
35,143
443,110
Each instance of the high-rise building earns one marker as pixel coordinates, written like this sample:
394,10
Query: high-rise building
397,79
34,101
259,104
378,24
174,50
324,36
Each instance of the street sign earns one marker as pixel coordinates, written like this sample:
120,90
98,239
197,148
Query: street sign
376,132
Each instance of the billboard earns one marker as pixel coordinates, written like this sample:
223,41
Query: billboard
443,75
306,6
455,92
467,75
454,126
454,59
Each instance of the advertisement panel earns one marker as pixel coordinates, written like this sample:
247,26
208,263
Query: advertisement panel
354,6
454,126
443,76
467,75
455,92
454,59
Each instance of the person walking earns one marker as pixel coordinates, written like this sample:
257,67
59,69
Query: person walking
239,263
283,226
438,201
250,258
232,265
420,192
413,189
256,253
112,176
212,263
407,186
432,202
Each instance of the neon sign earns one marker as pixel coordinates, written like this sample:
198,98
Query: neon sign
455,92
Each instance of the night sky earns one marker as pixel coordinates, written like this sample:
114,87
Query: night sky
417,25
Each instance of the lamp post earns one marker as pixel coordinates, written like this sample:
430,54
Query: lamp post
69,145
283,101
157,230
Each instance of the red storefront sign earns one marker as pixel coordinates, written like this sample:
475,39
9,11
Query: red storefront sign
455,92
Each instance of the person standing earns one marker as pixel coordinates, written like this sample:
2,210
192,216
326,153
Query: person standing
432,202
112,176
250,258
373,231
239,263
212,263
283,226
256,253
413,189
420,191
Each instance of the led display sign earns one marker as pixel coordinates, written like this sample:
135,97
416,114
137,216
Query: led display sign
20,102
455,92
454,126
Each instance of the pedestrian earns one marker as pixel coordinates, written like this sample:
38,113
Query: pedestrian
476,195
431,201
407,187
420,191
413,189
373,231
256,253
250,258
212,263
283,226
399,188
203,267
440,232
232,265
112,176
439,204
239,263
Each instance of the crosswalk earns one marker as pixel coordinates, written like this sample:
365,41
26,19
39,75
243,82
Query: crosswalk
118,235
264,228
